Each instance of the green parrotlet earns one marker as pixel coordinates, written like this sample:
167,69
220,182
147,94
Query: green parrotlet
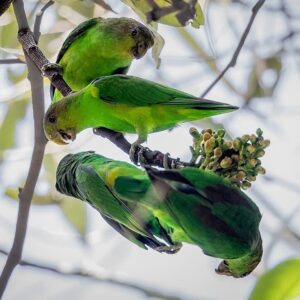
99,47
186,205
126,104
90,177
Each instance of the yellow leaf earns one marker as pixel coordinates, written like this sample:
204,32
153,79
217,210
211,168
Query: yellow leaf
280,283
36,199
75,212
177,13
15,113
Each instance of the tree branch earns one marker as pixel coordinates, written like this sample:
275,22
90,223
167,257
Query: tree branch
51,71
40,141
10,61
38,20
153,158
84,273
240,45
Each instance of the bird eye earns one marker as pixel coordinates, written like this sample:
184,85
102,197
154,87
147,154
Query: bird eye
52,119
134,32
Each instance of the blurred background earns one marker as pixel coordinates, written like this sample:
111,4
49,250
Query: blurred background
70,252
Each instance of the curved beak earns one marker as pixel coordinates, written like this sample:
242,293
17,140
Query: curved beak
139,50
67,136
144,41
223,269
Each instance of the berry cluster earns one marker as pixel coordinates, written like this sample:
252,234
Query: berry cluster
237,160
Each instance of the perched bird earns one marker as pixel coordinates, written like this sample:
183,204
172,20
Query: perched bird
91,177
125,104
99,47
186,205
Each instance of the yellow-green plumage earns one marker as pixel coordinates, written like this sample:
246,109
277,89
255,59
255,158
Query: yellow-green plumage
126,104
99,47
185,205
91,177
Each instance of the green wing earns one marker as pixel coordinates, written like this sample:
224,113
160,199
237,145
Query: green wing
104,201
75,34
138,239
203,218
131,188
228,201
130,90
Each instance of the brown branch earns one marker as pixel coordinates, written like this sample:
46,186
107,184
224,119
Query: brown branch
240,45
10,61
153,158
51,71
40,141
81,272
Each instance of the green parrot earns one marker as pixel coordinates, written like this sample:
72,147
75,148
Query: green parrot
125,104
186,205
99,47
89,177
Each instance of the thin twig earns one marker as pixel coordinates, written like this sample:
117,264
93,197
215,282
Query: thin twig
286,222
240,45
40,141
38,21
10,61
85,273
273,210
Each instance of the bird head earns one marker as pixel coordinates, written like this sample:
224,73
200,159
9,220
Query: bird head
241,267
131,35
143,39
54,127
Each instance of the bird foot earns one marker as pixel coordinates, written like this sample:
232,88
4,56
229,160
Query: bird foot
166,161
52,67
136,154
172,249
142,161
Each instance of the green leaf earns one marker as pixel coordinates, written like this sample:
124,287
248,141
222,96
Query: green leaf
8,35
18,53
159,43
83,8
36,199
75,212
256,88
15,113
280,283
176,13
15,76
104,5
50,165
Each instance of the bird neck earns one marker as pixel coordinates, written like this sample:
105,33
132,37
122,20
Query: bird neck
246,264
84,109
